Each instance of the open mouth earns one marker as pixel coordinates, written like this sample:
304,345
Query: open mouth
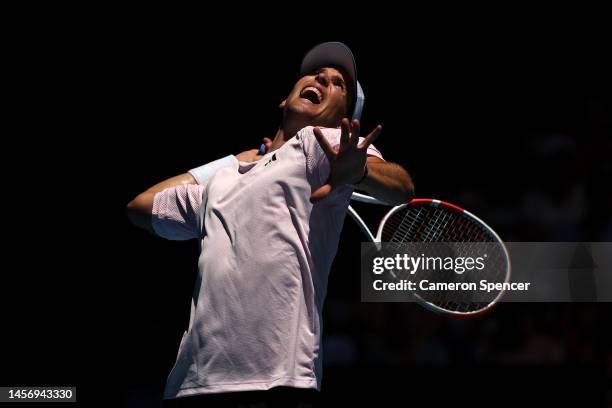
312,94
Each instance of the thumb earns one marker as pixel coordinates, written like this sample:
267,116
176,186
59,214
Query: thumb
267,142
321,193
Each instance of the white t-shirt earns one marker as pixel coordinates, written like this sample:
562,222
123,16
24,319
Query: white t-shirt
266,251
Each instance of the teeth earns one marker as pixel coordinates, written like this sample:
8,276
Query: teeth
315,90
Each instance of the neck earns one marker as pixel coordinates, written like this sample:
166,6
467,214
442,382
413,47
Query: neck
278,141
285,132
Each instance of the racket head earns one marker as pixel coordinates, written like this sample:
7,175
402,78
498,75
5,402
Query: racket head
430,220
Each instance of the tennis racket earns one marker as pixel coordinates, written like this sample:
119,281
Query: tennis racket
435,221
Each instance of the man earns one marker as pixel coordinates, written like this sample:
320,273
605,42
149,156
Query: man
268,228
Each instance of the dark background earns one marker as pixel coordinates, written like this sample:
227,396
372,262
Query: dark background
509,120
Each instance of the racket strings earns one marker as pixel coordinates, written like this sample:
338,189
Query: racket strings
435,224
431,224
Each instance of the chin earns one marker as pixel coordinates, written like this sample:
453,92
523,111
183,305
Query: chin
301,109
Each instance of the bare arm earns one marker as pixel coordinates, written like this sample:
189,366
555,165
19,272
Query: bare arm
385,181
388,182
140,208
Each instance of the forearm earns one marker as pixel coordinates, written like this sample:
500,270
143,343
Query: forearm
185,178
388,182
140,208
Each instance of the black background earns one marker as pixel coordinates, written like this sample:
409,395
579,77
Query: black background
110,102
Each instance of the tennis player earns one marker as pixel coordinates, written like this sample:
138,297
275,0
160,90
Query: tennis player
268,225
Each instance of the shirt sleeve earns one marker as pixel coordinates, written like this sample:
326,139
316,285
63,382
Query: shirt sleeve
175,212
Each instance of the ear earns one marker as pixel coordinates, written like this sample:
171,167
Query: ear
283,104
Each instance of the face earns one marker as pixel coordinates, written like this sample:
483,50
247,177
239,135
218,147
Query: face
321,98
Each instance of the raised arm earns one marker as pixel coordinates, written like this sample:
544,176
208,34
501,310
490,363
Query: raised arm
140,208
388,182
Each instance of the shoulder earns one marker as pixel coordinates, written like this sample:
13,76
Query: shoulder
310,143
329,133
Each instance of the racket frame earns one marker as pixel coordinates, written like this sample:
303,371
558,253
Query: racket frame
376,239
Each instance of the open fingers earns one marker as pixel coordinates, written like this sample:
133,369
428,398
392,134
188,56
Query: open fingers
327,149
345,133
321,193
371,137
355,132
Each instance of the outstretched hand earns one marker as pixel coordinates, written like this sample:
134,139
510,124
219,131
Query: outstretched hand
349,162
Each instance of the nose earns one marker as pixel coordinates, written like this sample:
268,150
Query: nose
323,78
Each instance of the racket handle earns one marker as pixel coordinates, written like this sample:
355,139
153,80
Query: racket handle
262,149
